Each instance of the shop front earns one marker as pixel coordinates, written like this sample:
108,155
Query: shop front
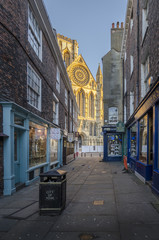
113,147
143,138
28,149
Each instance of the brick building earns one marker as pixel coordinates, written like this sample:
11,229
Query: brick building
140,54
37,103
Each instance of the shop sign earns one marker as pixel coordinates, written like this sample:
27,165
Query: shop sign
70,137
55,133
120,127
113,115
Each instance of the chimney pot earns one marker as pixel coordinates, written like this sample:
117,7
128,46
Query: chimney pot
112,25
122,24
117,24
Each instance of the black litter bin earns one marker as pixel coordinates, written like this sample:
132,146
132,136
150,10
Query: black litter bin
52,192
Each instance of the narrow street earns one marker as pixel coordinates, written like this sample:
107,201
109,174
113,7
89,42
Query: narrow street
102,203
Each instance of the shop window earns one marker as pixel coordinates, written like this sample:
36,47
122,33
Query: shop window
33,88
143,140
150,137
133,135
34,34
53,150
114,145
37,144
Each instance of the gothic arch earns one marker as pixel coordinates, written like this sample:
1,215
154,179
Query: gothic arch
81,102
67,58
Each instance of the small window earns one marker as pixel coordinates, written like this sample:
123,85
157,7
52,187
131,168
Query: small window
65,121
66,97
131,21
58,79
145,11
56,110
33,88
34,34
145,69
131,103
131,64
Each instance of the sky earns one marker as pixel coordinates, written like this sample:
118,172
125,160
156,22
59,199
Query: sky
89,22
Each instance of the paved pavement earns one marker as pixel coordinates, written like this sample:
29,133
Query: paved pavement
102,203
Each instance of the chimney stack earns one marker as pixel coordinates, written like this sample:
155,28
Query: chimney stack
112,25
122,24
117,24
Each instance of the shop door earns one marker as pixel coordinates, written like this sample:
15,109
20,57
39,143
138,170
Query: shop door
114,147
17,154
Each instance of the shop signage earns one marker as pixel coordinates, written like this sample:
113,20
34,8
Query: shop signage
70,137
55,133
113,115
120,127
153,98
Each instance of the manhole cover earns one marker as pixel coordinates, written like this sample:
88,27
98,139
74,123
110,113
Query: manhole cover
86,237
99,202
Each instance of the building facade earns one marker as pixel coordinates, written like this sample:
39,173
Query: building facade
113,97
140,55
88,93
35,112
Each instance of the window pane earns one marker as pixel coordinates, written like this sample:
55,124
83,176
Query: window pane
133,134
143,140
37,144
114,145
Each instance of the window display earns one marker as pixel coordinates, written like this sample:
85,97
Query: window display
133,134
143,140
37,144
114,145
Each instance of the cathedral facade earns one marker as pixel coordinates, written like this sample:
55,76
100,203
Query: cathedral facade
88,93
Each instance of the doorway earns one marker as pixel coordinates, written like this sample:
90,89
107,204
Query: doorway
18,154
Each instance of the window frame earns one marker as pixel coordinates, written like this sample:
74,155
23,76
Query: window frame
31,88
34,33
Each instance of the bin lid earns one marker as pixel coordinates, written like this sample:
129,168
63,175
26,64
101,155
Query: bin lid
52,173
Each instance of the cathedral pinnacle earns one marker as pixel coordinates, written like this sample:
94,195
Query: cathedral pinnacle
99,75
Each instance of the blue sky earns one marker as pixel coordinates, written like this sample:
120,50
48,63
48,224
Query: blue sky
89,22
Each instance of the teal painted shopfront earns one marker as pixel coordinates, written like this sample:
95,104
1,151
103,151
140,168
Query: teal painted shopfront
28,150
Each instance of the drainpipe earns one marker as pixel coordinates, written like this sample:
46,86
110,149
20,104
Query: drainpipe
138,53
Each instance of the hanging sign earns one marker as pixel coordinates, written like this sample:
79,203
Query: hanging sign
55,133
70,137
